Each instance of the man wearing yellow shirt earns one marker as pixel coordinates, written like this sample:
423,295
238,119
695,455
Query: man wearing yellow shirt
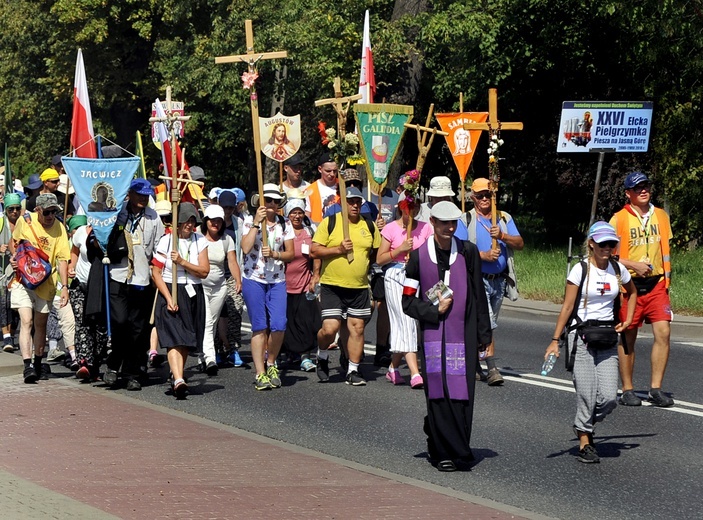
45,232
644,233
344,293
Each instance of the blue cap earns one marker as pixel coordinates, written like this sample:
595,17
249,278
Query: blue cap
227,198
635,178
142,187
601,231
239,193
354,193
34,182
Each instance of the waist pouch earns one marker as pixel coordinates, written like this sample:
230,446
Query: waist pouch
598,337
647,284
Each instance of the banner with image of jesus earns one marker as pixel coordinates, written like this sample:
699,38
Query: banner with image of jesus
101,187
280,136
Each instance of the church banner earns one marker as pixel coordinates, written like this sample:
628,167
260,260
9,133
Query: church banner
462,143
620,126
381,128
101,186
280,136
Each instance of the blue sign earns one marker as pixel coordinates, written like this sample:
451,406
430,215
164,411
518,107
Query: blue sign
101,186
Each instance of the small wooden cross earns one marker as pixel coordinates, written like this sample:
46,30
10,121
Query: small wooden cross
342,109
423,147
251,58
494,127
170,122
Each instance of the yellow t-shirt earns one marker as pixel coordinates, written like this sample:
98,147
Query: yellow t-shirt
337,270
643,241
53,241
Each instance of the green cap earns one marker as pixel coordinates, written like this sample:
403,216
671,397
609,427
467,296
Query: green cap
13,199
77,221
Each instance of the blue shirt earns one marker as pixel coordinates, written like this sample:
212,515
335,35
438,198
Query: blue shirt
484,243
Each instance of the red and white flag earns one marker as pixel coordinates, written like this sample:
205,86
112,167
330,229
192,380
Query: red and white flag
367,80
82,134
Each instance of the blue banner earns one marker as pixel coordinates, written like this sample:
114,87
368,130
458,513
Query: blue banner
101,186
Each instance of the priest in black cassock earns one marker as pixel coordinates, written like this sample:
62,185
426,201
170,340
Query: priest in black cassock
455,325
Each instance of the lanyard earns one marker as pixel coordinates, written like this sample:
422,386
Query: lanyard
134,220
644,221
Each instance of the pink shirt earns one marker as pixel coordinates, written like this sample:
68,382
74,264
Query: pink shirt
299,270
396,235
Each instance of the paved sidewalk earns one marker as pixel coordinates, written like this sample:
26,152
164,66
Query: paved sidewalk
73,451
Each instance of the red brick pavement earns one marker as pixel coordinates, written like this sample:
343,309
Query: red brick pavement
135,460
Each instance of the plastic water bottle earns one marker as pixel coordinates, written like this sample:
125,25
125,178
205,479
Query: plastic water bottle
314,294
549,364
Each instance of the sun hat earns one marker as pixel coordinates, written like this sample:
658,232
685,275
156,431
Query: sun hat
294,204
63,182
46,201
34,182
635,178
601,232
440,187
214,211
271,191
480,185
186,211
162,208
445,211
48,175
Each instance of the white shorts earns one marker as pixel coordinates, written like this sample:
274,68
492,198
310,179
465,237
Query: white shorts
23,298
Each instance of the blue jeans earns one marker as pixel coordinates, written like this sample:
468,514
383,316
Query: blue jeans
495,289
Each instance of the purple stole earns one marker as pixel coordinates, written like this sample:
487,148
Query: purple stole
448,335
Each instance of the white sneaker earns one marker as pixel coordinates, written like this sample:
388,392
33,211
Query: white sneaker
55,355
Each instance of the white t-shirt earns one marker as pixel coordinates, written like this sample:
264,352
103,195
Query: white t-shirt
189,249
602,288
217,254
83,265
253,266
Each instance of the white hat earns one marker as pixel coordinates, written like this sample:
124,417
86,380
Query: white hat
214,193
293,204
63,181
162,208
440,187
272,191
214,211
445,210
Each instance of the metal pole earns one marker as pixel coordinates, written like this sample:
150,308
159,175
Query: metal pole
601,157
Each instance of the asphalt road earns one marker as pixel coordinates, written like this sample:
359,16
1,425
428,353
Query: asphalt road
651,461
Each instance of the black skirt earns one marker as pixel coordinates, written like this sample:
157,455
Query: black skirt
303,323
185,328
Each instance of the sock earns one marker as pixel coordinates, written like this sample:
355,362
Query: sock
353,367
7,336
270,364
53,343
392,369
27,362
73,354
490,362
322,354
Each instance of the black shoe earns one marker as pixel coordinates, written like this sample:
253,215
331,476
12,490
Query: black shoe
110,377
659,398
30,375
43,371
628,398
133,385
494,378
355,379
323,370
211,368
446,465
382,360
180,390
588,455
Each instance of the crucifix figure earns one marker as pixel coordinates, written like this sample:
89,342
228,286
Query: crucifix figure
341,106
423,147
494,127
170,120
251,58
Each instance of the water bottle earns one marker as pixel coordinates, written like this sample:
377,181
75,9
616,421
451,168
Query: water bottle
314,294
549,364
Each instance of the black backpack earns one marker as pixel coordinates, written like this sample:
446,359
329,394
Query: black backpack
332,221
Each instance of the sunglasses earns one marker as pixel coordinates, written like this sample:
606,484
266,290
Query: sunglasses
53,181
353,184
49,212
355,201
481,196
13,208
642,187
612,244
269,200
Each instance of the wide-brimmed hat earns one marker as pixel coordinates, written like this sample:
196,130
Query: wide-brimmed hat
162,208
34,182
445,210
601,232
272,191
47,201
186,210
63,182
440,187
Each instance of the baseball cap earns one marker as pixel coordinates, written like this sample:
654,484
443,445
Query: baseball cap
227,198
293,161
350,174
48,174
186,210
440,187
142,187
214,193
47,200
239,193
56,160
77,221
354,193
214,211
445,210
197,173
324,158
601,232
635,178
480,185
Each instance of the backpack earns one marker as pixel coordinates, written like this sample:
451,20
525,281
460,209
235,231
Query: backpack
332,221
568,335
33,266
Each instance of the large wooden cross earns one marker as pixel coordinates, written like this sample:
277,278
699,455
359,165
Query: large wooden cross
494,127
251,58
341,106
170,121
423,147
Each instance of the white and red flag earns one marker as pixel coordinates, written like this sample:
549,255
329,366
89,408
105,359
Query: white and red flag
367,80
82,136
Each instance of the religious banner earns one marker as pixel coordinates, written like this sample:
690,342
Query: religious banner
178,108
101,186
381,128
462,143
622,126
280,136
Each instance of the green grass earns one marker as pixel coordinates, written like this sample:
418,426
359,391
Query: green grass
541,274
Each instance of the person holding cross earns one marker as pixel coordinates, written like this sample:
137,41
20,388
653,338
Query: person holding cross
494,261
322,192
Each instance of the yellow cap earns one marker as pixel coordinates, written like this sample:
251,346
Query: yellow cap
48,175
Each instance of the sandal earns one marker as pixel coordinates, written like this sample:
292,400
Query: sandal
446,465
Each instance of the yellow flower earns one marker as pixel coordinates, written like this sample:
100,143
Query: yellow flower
491,159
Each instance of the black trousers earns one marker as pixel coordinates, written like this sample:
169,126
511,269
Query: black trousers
130,309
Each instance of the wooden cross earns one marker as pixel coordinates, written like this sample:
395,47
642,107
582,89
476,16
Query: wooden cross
494,127
170,121
423,147
341,106
251,58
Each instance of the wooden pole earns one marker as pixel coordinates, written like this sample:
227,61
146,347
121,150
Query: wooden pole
175,199
280,177
463,182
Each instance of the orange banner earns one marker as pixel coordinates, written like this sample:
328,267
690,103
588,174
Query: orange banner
462,143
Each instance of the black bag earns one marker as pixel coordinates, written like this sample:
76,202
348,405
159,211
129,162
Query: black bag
599,337
645,285
117,247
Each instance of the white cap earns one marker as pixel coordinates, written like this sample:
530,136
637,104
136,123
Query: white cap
214,193
445,210
214,211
